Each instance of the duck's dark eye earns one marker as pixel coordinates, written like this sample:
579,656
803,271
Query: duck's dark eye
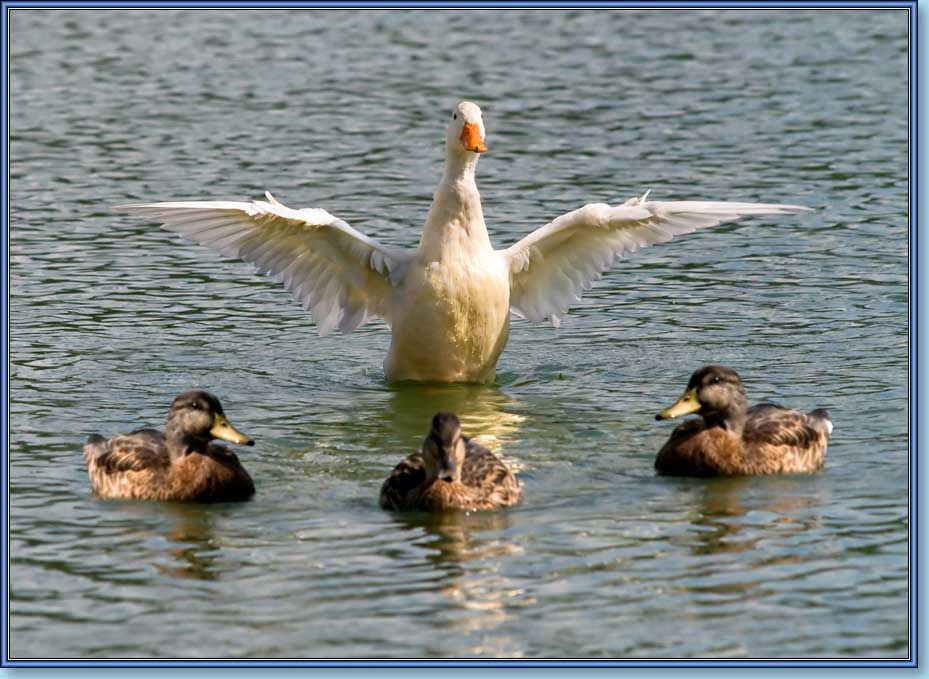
717,380
454,116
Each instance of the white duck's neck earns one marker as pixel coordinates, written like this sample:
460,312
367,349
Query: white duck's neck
455,225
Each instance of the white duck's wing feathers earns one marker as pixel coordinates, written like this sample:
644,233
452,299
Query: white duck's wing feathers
339,274
552,266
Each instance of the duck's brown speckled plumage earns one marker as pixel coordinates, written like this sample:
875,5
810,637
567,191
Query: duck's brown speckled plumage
482,480
184,465
730,439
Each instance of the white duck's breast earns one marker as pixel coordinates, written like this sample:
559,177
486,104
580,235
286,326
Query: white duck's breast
450,320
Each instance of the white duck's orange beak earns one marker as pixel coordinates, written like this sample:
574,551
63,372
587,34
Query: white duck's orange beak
471,138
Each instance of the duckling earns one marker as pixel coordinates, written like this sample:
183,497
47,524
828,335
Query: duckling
450,473
731,439
179,464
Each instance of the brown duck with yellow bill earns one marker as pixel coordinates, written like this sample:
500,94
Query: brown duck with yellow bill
180,464
730,439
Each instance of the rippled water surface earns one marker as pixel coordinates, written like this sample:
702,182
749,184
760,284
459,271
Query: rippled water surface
111,317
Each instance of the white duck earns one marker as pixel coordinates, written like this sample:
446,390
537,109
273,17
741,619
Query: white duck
447,302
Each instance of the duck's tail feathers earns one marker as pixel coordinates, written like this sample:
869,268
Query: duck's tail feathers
821,416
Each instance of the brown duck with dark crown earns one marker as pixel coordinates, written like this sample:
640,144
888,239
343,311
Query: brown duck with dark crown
731,439
450,473
179,464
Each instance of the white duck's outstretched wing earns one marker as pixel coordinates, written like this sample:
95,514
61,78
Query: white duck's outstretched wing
551,267
340,275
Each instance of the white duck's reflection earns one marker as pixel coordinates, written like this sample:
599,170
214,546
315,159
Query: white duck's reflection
486,413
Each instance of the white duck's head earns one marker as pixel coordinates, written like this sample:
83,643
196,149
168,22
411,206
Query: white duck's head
465,130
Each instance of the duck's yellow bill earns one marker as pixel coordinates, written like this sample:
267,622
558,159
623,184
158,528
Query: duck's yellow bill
471,138
225,431
688,403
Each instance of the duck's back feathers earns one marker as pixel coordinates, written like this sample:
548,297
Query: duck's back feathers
489,477
786,441
134,465
774,425
485,483
136,451
775,440
138,466
400,489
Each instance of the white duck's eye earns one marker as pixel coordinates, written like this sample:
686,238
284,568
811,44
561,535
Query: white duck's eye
454,116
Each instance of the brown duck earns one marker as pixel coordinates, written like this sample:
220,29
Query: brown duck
179,464
450,473
730,439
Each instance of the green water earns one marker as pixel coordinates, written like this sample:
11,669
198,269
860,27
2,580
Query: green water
111,317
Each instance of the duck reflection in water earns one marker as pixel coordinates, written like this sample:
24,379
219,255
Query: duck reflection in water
467,549
724,513
192,544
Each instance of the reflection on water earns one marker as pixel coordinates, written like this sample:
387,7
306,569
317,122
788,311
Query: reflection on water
190,543
457,536
725,502
485,411
478,599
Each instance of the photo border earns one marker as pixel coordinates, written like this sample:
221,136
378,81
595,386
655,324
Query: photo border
913,367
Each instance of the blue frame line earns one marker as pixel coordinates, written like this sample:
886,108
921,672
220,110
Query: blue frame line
454,4
691,664
913,336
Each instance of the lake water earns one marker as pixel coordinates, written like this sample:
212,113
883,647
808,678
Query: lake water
110,317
